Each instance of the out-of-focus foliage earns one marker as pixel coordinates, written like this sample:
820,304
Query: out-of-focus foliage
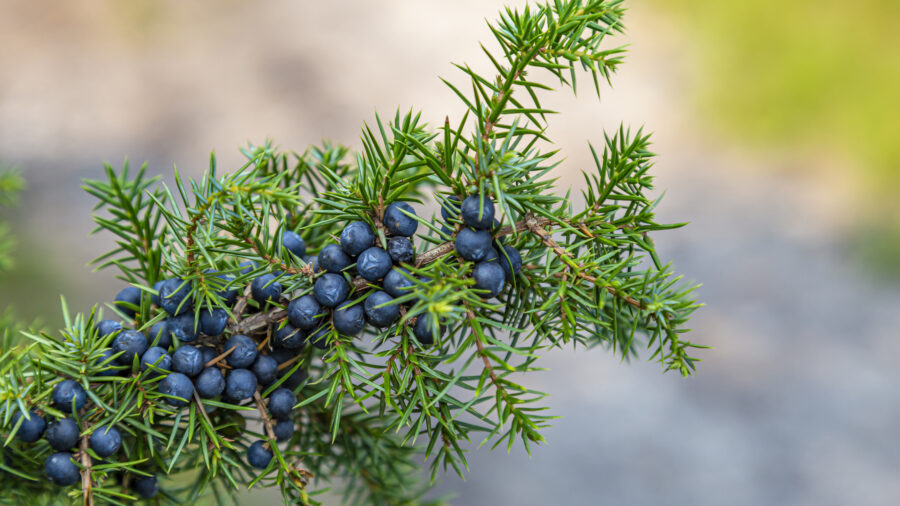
10,185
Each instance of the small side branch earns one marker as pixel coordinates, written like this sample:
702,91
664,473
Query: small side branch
86,482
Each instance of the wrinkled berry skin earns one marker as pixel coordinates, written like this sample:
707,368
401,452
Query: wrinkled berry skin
179,387
396,284
62,434
292,242
422,330
183,327
475,214
450,207
259,456
160,335
289,337
356,237
511,263
330,290
32,428
333,259
265,289
281,402
210,383
240,384
381,316
212,323
473,245
305,312
373,263
266,369
61,470
401,250
284,430
187,360
489,276
173,296
244,353
127,297
158,358
63,394
105,441
399,223
349,320
107,327
145,486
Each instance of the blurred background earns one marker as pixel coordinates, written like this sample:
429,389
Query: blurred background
777,127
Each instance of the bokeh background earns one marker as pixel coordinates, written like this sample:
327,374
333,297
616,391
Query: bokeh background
777,124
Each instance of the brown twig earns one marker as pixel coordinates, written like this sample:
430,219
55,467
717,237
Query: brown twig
264,414
86,484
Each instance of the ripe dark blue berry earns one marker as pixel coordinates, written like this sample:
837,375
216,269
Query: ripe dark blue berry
240,384
67,391
208,353
511,262
356,237
450,207
319,338
107,327
183,327
258,455
296,377
283,430
312,261
128,300
32,427
491,256
330,290
228,295
266,369
107,363
473,245
381,316
265,289
62,434
157,357
489,276
210,383
373,263
154,297
281,402
400,249
292,242
105,441
397,222
333,259
349,319
145,486
61,469
305,312
188,360
478,214
396,284
423,330
289,337
174,296
244,353
246,267
160,335
212,323
178,387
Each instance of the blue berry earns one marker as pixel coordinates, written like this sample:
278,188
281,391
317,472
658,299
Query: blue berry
62,434
154,297
157,357
183,327
145,486
128,300
477,214
61,469
305,312
281,402
105,441
178,387
473,245
296,378
174,296
400,249
282,355
289,337
381,316
246,267
292,242
511,262
312,261
65,392
319,338
349,319
330,289
240,384
356,238
107,327
373,263
283,429
244,353
32,427
265,289
210,383
396,284
423,330
266,369
450,207
228,295
188,360
489,277
491,256
160,335
108,363
399,223
208,353
258,455
333,259
212,323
